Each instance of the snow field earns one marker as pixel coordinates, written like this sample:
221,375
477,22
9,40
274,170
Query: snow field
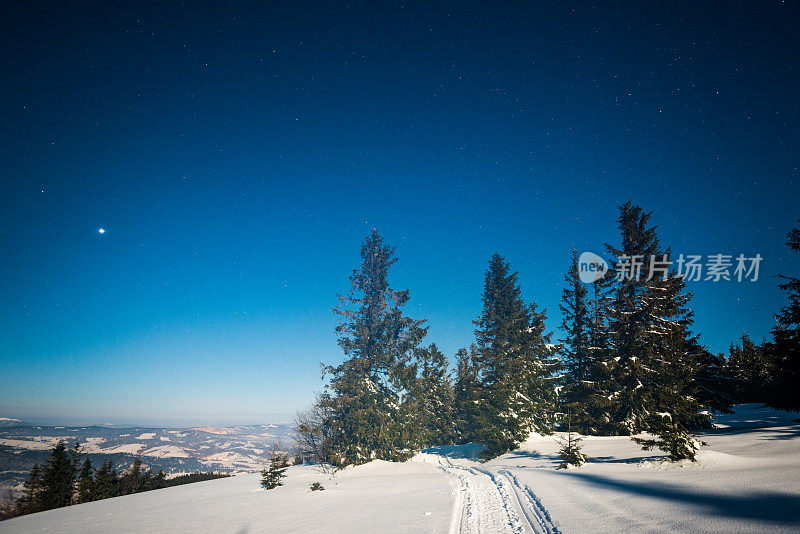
747,479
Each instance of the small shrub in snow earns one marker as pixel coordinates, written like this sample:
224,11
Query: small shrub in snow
317,486
570,451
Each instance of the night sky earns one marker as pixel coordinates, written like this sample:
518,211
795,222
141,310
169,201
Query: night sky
237,155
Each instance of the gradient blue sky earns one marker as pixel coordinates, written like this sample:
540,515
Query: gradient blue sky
237,155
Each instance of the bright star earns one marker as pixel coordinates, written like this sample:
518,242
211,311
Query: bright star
101,230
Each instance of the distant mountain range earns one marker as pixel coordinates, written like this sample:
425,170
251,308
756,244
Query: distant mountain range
6,421
227,449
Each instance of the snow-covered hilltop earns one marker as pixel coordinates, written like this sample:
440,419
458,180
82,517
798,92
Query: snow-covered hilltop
747,479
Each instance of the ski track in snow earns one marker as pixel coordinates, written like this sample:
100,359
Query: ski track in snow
490,503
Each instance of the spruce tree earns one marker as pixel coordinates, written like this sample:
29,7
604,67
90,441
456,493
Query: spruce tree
135,478
634,371
585,378
517,365
785,349
467,395
30,501
85,486
538,379
272,476
654,365
570,451
575,345
365,392
106,482
671,438
431,401
58,478
159,481
752,370
715,388
601,406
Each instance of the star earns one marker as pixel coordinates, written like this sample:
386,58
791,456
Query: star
101,231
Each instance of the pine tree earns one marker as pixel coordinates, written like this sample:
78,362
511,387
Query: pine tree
467,395
517,384
58,478
271,477
786,344
366,417
85,486
653,367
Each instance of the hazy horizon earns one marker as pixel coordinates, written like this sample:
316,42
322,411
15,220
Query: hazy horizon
155,421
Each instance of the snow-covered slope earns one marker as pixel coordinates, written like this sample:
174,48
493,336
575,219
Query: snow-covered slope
377,497
746,480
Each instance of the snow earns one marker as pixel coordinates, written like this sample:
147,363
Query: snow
34,443
146,435
26,444
377,497
166,451
488,501
747,479
129,448
92,444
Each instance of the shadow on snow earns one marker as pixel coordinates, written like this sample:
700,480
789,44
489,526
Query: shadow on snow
775,507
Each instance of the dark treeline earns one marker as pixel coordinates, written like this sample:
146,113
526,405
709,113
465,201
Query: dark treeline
69,478
629,363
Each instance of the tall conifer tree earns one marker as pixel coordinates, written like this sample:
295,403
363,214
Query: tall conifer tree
467,394
85,482
366,391
517,384
786,345
653,362
584,392
431,401
31,501
58,478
